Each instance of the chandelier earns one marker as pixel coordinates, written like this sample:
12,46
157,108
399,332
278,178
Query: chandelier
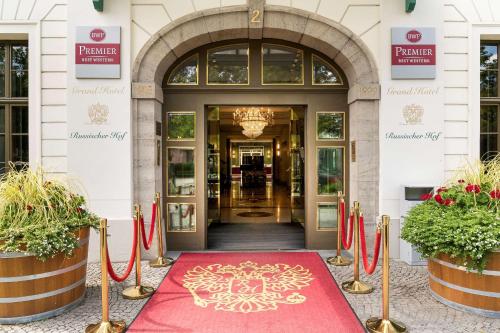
253,120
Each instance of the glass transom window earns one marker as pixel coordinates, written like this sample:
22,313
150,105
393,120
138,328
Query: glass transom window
282,65
489,70
186,72
228,65
324,73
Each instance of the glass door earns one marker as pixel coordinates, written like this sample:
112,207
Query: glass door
213,164
297,162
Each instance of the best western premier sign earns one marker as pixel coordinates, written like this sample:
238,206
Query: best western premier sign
413,53
97,52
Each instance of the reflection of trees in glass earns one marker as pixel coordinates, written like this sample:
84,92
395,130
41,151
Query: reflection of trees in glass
282,65
489,70
181,171
185,73
330,170
330,125
19,70
180,126
489,131
324,73
228,65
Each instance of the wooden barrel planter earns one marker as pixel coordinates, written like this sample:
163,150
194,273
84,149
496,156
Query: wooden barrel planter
31,289
452,285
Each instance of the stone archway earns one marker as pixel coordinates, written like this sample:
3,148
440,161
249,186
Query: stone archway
277,22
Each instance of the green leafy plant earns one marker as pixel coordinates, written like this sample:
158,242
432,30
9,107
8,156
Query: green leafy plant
40,216
460,219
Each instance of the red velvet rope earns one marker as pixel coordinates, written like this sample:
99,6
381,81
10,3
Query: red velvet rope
125,275
346,242
369,269
147,243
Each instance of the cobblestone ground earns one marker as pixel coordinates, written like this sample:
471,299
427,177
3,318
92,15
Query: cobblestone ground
411,303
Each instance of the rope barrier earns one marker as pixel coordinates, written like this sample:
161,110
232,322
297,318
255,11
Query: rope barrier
369,268
125,275
147,243
347,243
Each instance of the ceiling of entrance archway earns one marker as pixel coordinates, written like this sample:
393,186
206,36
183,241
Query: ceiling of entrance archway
280,126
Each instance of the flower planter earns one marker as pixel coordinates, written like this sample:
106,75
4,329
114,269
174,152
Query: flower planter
452,285
31,289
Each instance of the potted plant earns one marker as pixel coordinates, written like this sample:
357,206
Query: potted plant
44,230
458,229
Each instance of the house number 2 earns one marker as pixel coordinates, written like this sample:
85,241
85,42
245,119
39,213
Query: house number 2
255,16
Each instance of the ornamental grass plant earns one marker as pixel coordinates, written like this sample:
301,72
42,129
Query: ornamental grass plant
40,216
460,219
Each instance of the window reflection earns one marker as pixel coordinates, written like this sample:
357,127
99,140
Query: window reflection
282,65
489,139
324,73
180,125
330,170
489,70
186,72
19,71
228,65
330,125
181,217
181,173
327,216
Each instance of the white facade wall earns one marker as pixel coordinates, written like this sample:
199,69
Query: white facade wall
56,110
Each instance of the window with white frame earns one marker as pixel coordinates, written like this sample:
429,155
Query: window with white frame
13,103
490,100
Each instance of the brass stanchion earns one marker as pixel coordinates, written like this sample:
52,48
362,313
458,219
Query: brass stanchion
384,324
105,326
160,261
356,286
138,291
338,260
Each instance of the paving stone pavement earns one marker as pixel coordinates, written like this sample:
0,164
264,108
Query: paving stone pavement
411,302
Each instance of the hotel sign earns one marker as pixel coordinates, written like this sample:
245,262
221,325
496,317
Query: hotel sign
413,53
97,53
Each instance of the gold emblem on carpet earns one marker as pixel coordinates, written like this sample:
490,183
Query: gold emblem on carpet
247,287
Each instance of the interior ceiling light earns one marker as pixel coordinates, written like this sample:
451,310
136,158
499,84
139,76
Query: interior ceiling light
253,120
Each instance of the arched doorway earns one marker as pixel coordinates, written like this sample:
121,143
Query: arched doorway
328,39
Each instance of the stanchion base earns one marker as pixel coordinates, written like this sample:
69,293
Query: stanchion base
115,326
338,261
137,292
161,262
357,287
379,325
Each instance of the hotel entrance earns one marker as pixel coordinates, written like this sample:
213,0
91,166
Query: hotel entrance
254,147
255,177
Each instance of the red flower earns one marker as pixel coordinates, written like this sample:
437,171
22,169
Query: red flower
495,194
473,188
448,202
426,196
439,198
442,189
29,208
461,181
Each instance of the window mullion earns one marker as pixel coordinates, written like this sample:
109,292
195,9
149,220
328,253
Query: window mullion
8,133
7,70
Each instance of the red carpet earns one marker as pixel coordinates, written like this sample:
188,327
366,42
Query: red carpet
278,292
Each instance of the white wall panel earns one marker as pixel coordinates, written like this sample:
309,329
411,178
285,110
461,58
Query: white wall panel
54,148
456,29
51,63
456,112
455,146
455,129
9,9
54,80
55,164
54,113
53,96
454,162
54,131
178,9
24,10
456,95
150,17
58,12
455,61
456,44
232,2
54,29
360,18
309,5
456,78
54,45
205,4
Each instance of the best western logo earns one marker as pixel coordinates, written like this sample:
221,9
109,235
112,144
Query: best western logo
97,35
413,36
